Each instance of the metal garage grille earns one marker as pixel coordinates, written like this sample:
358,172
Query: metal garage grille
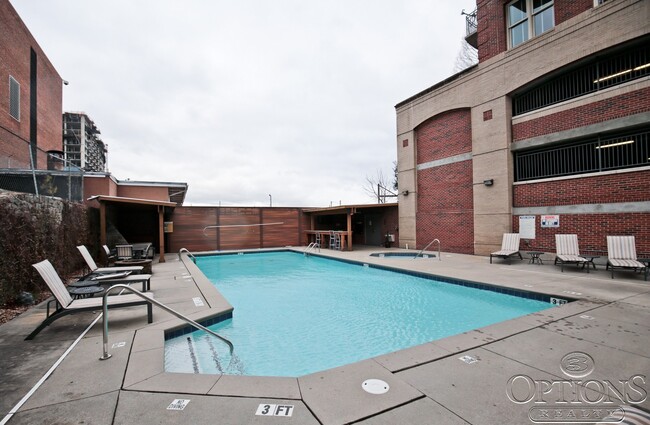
611,153
607,72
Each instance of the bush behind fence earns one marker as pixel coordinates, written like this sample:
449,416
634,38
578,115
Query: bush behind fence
34,228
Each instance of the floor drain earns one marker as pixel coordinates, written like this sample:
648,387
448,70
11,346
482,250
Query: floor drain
375,386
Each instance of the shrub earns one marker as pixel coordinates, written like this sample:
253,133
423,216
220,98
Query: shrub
32,229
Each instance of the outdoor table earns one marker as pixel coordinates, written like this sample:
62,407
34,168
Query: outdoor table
145,263
84,291
535,257
590,260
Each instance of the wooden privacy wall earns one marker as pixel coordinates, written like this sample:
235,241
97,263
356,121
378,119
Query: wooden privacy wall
238,228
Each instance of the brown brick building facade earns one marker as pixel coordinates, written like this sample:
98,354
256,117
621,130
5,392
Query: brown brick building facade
556,124
33,117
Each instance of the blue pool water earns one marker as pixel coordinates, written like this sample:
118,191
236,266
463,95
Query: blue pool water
295,315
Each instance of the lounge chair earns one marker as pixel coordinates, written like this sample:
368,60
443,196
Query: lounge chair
66,305
110,257
621,254
509,247
94,269
567,252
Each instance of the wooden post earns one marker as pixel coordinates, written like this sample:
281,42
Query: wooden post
161,233
349,230
102,223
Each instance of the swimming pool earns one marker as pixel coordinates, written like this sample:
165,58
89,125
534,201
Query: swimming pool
295,315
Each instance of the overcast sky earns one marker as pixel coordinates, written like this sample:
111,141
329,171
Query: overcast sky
242,99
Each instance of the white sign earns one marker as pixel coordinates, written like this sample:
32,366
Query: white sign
558,301
119,344
178,404
527,226
550,221
198,302
274,410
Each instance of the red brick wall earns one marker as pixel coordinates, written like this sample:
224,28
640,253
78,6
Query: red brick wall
601,189
604,110
15,44
492,23
492,38
445,193
592,231
567,9
444,135
446,207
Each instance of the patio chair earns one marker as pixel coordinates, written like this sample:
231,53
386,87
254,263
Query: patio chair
509,247
621,254
98,270
110,257
66,305
567,252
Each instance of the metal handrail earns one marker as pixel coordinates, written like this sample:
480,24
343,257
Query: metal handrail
425,248
106,355
188,253
311,246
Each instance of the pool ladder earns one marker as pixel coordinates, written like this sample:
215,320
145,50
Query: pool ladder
311,247
106,355
188,253
425,248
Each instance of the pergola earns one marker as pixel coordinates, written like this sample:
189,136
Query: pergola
143,206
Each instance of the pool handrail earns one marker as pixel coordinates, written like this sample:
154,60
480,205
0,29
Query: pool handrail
310,247
428,245
188,253
106,355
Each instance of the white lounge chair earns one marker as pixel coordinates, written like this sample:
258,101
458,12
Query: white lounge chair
66,305
509,247
93,266
621,254
567,251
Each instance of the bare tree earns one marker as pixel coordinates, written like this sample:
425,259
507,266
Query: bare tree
467,56
377,187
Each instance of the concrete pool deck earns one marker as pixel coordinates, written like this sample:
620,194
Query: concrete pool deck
466,378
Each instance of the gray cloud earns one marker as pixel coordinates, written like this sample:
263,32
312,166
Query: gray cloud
242,99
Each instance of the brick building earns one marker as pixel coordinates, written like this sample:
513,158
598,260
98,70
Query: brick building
554,121
30,96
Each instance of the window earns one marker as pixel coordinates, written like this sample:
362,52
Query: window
599,2
529,18
14,98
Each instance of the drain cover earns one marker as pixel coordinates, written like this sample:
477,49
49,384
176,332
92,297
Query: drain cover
375,386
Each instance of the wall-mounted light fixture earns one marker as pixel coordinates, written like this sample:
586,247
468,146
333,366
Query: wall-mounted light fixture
488,182
405,192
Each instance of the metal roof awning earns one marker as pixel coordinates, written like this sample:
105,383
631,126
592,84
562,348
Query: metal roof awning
137,201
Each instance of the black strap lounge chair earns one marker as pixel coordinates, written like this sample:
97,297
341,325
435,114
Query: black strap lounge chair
66,305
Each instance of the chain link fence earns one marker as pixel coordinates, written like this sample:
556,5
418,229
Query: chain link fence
29,169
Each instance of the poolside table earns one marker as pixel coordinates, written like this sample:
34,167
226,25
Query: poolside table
85,291
535,257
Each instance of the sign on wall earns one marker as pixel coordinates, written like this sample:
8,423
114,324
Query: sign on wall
550,221
527,226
